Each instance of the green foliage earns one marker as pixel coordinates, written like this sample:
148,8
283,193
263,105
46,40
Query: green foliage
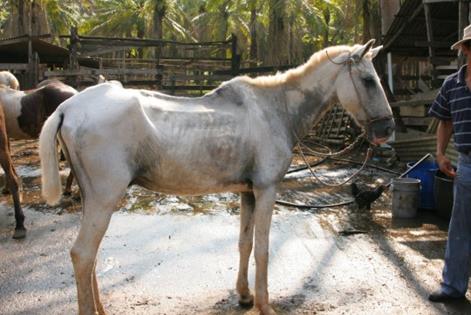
310,24
4,14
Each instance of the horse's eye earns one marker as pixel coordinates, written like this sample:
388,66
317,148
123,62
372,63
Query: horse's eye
368,81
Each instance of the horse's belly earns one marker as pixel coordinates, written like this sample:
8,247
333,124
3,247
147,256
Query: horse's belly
193,181
191,188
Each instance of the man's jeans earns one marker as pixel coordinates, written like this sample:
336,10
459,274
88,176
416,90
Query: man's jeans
458,247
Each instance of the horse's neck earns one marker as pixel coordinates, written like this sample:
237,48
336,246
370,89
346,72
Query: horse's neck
309,98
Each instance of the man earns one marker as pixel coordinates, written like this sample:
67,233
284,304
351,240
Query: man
453,108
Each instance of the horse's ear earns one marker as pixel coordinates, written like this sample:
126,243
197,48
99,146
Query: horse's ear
375,51
361,52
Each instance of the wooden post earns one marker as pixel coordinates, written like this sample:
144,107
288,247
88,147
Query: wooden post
173,83
35,67
30,75
463,21
123,59
159,76
73,54
431,52
235,58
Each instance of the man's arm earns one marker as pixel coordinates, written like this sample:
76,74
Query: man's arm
444,132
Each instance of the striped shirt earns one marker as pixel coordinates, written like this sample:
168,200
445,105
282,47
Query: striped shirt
453,102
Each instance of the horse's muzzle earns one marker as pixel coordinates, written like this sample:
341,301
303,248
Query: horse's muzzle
380,130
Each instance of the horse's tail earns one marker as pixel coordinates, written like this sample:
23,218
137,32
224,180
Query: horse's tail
51,181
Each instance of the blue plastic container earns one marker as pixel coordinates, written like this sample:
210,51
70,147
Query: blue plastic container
425,171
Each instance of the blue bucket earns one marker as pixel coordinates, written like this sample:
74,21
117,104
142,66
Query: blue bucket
425,171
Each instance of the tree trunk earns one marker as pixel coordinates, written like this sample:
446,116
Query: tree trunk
38,19
21,18
366,20
389,9
26,17
326,14
157,26
224,16
140,34
277,33
253,53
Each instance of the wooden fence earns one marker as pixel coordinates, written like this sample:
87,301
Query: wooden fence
170,66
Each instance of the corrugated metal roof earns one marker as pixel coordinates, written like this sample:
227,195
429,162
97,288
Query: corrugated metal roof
15,50
407,34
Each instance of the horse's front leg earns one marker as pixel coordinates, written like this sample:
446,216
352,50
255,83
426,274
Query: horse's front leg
264,202
247,205
96,293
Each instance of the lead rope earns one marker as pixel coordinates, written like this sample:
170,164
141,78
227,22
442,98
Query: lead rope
369,152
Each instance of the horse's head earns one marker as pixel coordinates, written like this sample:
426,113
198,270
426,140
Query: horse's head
360,92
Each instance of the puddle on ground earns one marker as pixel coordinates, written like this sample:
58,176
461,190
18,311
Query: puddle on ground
141,200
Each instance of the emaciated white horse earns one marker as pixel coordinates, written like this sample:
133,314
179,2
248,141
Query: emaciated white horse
237,138
9,80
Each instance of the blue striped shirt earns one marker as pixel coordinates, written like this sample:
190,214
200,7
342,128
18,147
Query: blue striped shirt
453,102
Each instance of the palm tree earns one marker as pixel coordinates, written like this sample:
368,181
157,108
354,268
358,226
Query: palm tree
62,14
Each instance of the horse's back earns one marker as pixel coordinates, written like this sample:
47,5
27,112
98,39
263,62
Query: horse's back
169,144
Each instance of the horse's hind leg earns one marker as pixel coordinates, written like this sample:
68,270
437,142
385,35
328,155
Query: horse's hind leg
247,204
68,184
11,180
13,185
97,211
264,202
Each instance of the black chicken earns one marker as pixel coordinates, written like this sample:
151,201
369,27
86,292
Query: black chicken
364,199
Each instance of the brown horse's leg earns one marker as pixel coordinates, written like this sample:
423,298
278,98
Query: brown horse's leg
264,202
11,180
68,184
247,205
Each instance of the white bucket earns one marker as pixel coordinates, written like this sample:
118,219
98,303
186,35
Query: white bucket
405,197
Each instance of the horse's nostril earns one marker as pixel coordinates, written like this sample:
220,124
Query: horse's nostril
389,130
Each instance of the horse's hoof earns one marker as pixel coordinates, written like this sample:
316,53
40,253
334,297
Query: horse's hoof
267,310
19,233
246,301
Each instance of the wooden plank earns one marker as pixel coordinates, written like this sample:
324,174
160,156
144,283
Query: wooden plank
209,77
413,111
434,44
416,121
412,103
105,72
189,87
137,42
14,66
441,61
438,1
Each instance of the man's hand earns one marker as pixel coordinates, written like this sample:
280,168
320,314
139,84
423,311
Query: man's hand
445,166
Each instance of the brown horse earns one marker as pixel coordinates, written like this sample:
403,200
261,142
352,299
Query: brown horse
23,114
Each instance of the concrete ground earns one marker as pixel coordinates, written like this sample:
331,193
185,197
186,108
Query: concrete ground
181,256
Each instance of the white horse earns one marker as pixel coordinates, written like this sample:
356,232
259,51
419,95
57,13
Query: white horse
237,138
9,80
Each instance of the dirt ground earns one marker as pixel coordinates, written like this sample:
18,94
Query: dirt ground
174,255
